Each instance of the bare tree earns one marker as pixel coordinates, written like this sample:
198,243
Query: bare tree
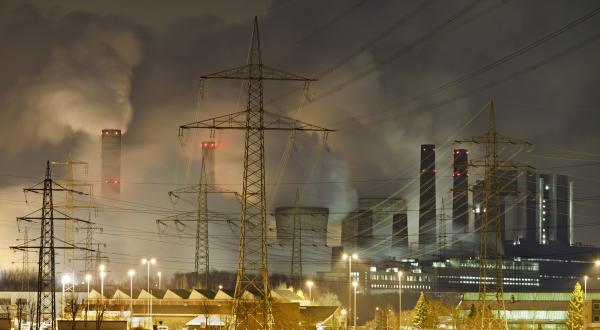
100,309
21,305
74,305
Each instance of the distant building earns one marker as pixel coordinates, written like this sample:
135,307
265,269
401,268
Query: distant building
377,228
310,221
110,171
556,218
427,196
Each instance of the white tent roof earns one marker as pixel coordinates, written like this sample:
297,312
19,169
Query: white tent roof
200,320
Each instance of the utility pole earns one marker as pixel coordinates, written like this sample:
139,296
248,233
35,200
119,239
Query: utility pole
492,220
46,286
253,273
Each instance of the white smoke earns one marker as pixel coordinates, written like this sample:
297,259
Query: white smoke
83,88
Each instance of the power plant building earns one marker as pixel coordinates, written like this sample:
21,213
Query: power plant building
377,228
311,223
110,171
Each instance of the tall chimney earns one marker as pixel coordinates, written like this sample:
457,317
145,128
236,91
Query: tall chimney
427,196
111,161
460,194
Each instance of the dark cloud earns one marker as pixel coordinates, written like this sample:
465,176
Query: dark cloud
70,68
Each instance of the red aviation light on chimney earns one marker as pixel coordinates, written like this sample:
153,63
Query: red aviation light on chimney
209,145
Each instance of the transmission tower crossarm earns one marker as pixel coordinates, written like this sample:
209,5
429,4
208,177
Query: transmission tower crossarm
255,72
238,120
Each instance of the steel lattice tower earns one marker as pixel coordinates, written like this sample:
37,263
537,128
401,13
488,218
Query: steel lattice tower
491,286
201,219
46,286
46,300
253,273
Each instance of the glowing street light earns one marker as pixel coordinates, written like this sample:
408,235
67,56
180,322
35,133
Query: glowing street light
131,273
102,276
310,283
399,300
348,257
148,262
354,285
88,278
585,278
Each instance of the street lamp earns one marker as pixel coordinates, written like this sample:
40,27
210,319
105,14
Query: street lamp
344,312
102,269
88,278
148,262
399,300
585,278
131,273
354,285
102,276
220,287
349,257
310,283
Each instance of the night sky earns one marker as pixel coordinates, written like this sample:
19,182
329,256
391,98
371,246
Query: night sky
392,75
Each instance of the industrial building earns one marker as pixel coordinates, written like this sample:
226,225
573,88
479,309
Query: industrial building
110,170
184,309
378,228
311,223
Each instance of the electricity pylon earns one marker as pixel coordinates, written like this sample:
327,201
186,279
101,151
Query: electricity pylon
46,299
70,206
253,273
493,189
202,251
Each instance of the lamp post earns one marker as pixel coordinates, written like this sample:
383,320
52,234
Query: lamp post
585,278
349,257
147,262
310,283
344,312
102,269
399,300
354,285
88,278
131,273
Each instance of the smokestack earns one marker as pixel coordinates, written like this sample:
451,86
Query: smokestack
427,221
460,194
208,154
111,161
